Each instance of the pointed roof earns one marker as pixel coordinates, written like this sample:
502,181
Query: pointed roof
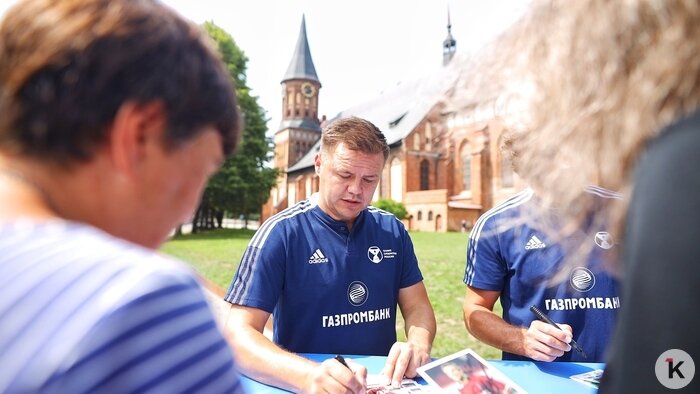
301,66
449,40
397,111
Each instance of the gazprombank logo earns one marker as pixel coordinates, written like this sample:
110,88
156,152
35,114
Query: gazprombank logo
582,279
674,369
357,293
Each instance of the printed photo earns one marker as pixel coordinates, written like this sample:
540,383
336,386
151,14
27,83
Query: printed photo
467,373
408,386
591,378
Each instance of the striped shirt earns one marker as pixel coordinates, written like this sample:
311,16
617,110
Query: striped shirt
83,312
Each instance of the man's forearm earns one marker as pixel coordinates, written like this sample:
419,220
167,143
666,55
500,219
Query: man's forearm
421,328
491,329
260,359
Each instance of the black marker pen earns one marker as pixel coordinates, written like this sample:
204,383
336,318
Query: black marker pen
540,315
341,360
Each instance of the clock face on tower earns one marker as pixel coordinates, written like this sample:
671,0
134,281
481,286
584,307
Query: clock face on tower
308,89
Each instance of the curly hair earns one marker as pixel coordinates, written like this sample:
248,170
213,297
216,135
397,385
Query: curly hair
597,80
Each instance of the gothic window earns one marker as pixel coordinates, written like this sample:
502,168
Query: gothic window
430,215
384,185
416,142
308,187
376,195
506,170
420,215
428,135
466,156
424,176
396,176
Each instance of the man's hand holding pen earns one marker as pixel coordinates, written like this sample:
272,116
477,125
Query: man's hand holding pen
545,340
338,375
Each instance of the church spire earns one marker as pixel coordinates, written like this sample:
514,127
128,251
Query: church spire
449,45
301,66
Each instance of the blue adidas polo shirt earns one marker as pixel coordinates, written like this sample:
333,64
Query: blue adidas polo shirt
505,254
330,289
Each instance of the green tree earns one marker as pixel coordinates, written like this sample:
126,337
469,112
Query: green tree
243,184
395,207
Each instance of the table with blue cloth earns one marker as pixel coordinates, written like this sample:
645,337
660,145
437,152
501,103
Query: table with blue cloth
532,376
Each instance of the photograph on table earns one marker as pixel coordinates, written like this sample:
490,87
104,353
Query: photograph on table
465,372
590,378
408,386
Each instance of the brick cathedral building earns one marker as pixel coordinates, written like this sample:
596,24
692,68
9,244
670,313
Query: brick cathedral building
444,165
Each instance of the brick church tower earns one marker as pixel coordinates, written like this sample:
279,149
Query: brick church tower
300,127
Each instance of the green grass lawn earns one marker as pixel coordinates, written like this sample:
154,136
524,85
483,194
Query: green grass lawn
441,256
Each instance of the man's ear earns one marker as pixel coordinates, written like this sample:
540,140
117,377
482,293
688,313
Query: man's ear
317,163
136,127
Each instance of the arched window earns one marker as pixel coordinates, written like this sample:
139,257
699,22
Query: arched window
428,136
385,185
396,180
420,215
466,156
506,171
308,186
430,215
424,177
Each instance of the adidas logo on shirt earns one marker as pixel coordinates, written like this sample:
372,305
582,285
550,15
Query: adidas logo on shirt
318,257
534,243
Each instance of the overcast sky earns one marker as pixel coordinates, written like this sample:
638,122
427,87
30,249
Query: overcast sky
359,47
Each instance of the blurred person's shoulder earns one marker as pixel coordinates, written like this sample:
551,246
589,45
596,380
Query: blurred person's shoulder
71,248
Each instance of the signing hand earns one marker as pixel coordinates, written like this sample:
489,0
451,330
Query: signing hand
403,359
333,377
543,342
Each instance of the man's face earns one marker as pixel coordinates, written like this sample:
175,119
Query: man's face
176,182
347,180
454,372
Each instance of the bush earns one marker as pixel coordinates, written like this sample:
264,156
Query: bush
395,207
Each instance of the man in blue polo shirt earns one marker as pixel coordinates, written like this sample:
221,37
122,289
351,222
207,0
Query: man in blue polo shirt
510,258
332,270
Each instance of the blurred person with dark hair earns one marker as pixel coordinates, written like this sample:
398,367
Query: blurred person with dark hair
613,89
331,270
114,115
